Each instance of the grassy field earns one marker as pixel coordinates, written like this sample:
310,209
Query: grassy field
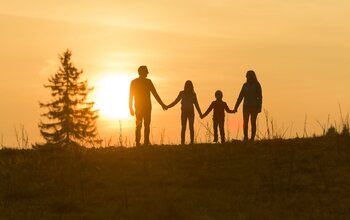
276,179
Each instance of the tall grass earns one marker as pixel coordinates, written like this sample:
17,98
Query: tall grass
336,128
162,136
22,138
328,128
270,130
2,141
208,127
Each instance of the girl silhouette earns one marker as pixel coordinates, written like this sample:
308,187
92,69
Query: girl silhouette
188,100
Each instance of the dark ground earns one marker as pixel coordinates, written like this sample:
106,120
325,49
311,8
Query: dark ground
276,179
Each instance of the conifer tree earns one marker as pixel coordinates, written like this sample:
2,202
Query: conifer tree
71,117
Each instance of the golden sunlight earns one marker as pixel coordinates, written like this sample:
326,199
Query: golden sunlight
112,96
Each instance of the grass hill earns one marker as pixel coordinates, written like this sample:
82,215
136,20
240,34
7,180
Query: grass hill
275,179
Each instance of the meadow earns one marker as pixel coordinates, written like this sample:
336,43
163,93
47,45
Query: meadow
301,178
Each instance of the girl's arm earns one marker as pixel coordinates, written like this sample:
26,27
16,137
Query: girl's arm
197,106
176,100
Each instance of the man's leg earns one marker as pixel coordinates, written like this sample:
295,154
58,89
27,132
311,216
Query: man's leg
183,127
147,121
215,124
139,118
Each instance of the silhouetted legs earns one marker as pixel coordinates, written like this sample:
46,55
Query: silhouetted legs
253,117
144,116
251,112
222,130
215,124
184,117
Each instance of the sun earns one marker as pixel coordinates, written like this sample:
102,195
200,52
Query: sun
112,96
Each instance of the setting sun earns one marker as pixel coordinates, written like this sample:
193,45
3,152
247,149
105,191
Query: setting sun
111,96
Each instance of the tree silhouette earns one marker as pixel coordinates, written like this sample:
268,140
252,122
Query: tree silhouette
72,118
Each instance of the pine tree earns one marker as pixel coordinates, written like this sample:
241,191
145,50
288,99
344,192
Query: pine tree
72,118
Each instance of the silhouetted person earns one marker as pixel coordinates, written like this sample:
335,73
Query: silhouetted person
219,107
140,92
252,95
188,100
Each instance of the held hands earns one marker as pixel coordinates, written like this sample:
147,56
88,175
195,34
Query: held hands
165,107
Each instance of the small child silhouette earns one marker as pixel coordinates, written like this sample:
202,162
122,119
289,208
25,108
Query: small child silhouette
219,107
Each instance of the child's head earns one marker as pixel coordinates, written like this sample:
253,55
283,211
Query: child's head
188,87
218,95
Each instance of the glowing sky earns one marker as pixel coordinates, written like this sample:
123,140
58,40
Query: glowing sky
300,51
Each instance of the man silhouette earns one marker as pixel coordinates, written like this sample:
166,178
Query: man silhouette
140,94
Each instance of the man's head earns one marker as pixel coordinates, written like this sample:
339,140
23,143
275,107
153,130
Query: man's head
143,71
218,95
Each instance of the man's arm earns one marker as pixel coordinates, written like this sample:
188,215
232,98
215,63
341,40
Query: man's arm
131,98
156,96
208,110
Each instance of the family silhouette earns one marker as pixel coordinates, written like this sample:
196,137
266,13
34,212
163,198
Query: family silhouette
141,107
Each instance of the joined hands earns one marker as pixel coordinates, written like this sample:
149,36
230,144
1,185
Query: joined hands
165,107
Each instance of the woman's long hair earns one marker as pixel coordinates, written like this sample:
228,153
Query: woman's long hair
188,89
251,77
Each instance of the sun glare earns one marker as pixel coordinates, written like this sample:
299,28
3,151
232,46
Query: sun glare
112,96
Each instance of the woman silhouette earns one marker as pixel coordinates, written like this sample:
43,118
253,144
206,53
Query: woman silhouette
252,94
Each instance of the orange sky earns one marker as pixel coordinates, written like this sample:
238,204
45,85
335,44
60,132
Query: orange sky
300,52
